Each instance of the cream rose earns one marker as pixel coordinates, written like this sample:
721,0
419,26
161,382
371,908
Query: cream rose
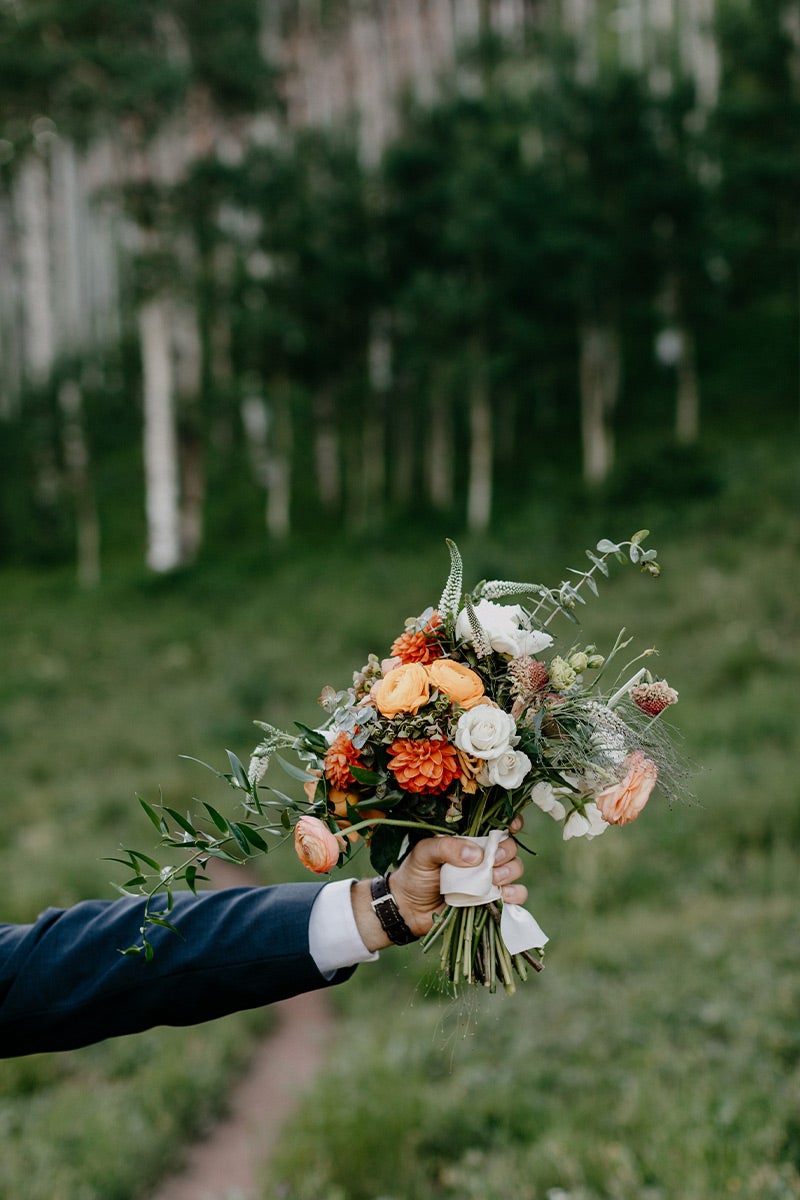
622,802
507,770
485,732
460,683
405,689
507,628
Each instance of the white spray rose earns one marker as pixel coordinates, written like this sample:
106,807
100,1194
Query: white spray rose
544,796
507,770
507,628
485,732
588,824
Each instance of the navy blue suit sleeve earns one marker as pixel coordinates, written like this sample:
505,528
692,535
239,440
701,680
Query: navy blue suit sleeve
63,982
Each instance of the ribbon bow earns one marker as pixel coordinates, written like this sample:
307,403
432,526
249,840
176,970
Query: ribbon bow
463,887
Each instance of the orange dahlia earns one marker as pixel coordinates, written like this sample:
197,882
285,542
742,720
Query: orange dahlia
426,765
341,755
419,647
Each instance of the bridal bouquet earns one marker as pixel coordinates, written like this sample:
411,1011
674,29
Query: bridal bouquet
473,714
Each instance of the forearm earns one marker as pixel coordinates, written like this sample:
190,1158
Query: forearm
63,982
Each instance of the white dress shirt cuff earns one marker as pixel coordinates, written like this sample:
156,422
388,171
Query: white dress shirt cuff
333,938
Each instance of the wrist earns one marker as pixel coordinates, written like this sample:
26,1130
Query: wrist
369,927
388,913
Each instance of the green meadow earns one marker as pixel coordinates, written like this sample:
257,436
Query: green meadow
658,1055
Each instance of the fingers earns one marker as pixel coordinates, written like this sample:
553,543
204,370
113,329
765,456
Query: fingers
516,894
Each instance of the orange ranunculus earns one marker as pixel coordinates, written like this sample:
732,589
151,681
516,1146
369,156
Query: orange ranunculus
310,788
338,802
418,647
622,802
405,689
341,755
425,765
460,683
316,847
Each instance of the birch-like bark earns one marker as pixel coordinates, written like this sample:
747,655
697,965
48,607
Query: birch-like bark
599,373
162,489
76,461
33,222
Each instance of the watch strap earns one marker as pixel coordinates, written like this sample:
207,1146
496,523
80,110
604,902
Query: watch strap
389,915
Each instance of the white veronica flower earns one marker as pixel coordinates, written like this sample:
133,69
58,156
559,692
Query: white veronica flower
506,626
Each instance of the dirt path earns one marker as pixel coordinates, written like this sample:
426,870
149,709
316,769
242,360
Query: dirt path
229,1162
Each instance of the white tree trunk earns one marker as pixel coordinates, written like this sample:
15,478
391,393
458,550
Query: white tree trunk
162,488
599,387
76,460
33,221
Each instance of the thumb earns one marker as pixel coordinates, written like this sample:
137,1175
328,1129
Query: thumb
459,852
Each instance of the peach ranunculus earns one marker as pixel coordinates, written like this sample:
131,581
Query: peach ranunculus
338,803
405,689
316,847
460,683
424,765
622,802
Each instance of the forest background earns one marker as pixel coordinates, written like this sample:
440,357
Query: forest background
289,292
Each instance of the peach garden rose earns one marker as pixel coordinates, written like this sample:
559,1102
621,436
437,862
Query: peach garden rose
622,802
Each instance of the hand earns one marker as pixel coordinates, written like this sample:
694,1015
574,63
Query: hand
415,883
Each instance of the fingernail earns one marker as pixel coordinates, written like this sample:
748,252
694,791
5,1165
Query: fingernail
471,854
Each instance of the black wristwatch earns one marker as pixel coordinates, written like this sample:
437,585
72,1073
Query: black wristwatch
389,915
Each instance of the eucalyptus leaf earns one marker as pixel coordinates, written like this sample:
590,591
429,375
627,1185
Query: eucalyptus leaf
216,817
240,837
313,738
239,773
150,813
296,772
184,823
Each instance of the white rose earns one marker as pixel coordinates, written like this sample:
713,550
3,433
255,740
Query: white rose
507,770
507,628
587,824
485,731
543,795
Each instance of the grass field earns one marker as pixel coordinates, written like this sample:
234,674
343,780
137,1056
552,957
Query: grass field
658,1057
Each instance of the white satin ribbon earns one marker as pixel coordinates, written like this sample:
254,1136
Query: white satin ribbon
463,887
